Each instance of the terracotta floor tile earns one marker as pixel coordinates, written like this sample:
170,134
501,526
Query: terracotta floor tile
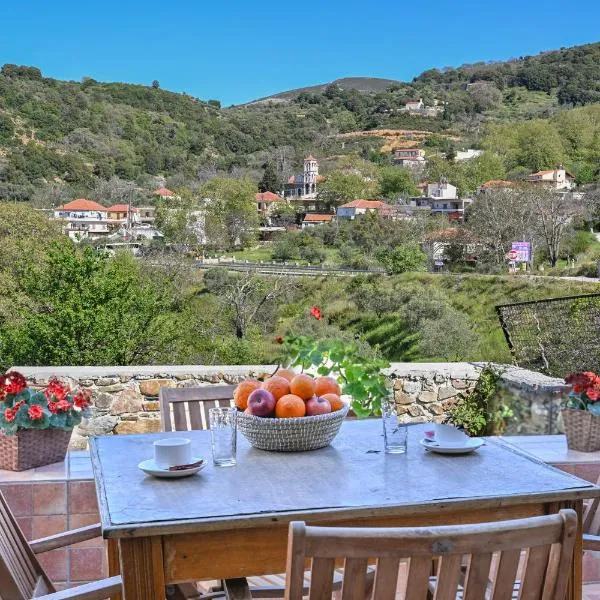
82,498
50,498
86,564
19,498
55,564
45,525
76,521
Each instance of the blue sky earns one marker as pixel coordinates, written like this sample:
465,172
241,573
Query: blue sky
239,50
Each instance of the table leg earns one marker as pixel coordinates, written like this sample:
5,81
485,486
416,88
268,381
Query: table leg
142,568
114,568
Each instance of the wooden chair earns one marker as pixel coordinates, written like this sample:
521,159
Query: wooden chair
493,553
21,575
177,404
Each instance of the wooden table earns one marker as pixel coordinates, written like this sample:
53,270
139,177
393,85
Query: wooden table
232,522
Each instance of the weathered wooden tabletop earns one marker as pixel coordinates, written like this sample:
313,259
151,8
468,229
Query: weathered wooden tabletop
351,477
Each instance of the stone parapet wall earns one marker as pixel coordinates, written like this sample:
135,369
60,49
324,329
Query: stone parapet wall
126,398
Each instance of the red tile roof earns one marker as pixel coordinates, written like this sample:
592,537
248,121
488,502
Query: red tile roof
82,204
497,183
121,208
163,191
364,204
314,218
267,197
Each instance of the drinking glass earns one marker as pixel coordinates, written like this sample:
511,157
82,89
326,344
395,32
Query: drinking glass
223,434
394,432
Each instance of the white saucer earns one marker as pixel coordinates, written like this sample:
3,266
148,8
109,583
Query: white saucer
151,468
470,445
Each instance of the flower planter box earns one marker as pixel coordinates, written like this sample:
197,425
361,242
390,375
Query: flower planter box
30,448
582,429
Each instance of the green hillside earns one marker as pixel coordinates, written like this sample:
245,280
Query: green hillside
77,134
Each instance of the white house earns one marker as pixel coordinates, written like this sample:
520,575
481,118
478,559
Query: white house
415,105
83,218
559,179
442,199
164,193
442,190
353,209
411,158
467,154
313,219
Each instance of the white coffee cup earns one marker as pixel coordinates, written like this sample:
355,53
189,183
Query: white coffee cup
448,435
170,452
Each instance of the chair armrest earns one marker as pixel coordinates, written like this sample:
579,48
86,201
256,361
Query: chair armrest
97,590
591,543
60,540
237,589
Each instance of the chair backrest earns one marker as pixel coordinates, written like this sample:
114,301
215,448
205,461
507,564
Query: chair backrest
591,515
177,404
21,575
546,542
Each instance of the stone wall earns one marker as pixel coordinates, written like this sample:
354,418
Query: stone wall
126,398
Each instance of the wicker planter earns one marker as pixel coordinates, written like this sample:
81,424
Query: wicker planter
30,448
582,429
296,434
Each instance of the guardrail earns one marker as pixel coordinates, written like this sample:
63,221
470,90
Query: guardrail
273,268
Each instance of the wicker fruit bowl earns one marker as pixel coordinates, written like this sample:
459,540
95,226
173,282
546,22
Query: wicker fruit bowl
296,434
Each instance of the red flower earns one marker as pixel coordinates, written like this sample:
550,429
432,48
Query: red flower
593,394
35,412
279,340
18,405
13,382
57,389
63,405
9,415
578,388
52,407
82,399
315,311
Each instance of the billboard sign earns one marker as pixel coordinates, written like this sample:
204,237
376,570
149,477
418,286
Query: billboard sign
523,250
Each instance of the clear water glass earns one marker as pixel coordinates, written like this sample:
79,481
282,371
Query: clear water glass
223,434
394,433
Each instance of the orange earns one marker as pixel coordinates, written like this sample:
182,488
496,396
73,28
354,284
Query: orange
334,400
290,406
285,373
326,385
278,386
243,390
303,386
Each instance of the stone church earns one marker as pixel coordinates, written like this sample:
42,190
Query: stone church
304,185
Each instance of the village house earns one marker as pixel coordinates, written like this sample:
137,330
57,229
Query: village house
353,209
411,158
83,218
147,214
266,202
494,185
415,105
124,213
164,193
559,179
467,154
313,219
304,185
442,199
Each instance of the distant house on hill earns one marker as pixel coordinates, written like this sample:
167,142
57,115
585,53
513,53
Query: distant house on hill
415,105
120,212
266,202
410,158
467,154
442,199
83,218
304,185
353,209
494,185
163,193
559,179
312,219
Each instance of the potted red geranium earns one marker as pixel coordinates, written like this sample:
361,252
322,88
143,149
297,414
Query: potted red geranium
36,425
581,412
